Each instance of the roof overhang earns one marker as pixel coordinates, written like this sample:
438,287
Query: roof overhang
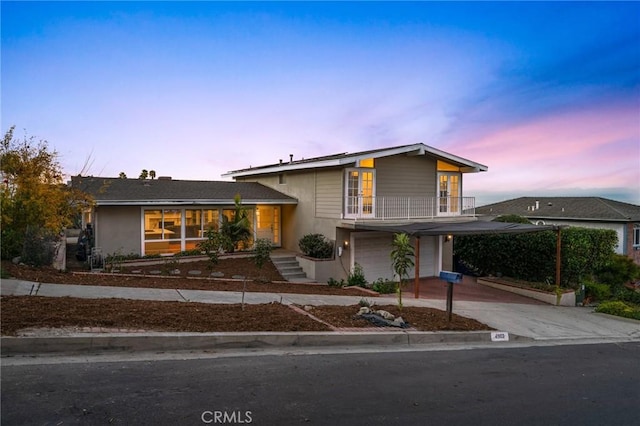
212,202
347,159
456,228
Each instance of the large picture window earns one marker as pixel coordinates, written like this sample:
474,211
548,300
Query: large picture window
168,231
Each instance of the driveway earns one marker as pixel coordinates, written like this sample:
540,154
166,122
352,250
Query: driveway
468,290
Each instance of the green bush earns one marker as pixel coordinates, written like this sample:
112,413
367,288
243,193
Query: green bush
383,286
597,291
618,308
356,277
316,246
627,295
335,283
617,271
192,252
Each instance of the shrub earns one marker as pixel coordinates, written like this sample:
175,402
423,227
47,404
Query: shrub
618,308
38,247
619,270
356,276
597,291
383,286
192,252
334,283
627,295
316,246
262,254
365,303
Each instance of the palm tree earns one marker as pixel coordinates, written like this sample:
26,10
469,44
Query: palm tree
238,228
152,174
144,174
122,175
401,260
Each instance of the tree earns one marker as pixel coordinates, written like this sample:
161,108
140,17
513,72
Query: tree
401,260
263,248
36,204
144,174
236,229
152,174
122,175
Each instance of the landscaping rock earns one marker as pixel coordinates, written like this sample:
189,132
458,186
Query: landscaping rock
386,315
217,274
195,272
364,310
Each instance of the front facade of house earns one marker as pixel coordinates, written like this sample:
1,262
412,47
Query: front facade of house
335,194
586,212
166,216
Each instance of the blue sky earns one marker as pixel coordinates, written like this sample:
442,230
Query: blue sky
547,95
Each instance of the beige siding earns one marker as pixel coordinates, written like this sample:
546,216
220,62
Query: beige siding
118,229
329,194
406,176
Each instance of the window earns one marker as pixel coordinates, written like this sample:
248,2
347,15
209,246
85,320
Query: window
636,235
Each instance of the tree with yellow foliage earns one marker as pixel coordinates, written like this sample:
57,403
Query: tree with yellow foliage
35,203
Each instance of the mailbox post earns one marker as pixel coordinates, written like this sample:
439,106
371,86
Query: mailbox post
451,278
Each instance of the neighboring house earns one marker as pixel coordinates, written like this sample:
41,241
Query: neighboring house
165,216
588,212
351,197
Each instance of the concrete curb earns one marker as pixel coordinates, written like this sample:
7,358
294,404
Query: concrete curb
159,342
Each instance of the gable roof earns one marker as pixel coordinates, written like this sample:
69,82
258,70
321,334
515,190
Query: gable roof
576,208
116,191
353,159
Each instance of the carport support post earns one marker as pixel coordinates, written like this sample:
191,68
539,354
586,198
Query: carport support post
416,284
558,257
449,301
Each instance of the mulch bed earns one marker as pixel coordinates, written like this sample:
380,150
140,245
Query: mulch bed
183,281
423,319
26,312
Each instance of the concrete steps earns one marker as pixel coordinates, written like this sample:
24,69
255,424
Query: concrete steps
289,268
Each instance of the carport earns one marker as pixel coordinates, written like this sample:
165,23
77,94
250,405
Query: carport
419,229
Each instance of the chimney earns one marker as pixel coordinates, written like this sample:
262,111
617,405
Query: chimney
537,204
290,158
281,161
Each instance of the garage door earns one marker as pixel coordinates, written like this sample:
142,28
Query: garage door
372,250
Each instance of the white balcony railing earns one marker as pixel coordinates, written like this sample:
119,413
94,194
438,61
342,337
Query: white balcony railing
407,208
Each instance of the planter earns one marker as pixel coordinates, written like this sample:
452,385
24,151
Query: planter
567,298
319,270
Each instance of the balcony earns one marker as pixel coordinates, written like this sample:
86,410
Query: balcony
407,208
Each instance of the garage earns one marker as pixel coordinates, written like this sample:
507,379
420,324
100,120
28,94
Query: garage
371,250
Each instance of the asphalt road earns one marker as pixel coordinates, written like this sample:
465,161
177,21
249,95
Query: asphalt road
569,385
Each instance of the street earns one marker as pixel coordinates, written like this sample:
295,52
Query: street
590,384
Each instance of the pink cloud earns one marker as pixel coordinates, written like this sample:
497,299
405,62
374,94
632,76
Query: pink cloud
598,147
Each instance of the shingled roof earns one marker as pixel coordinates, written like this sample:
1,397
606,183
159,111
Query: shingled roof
576,208
116,191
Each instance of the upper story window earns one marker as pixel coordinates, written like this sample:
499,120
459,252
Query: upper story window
366,163
636,235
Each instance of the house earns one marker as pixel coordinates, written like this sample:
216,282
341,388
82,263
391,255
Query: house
165,216
587,212
359,199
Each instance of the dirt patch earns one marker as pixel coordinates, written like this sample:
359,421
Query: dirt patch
147,276
20,312
423,319
27,312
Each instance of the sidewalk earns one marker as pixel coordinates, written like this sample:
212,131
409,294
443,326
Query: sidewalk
522,322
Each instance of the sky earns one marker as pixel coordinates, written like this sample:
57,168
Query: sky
546,94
